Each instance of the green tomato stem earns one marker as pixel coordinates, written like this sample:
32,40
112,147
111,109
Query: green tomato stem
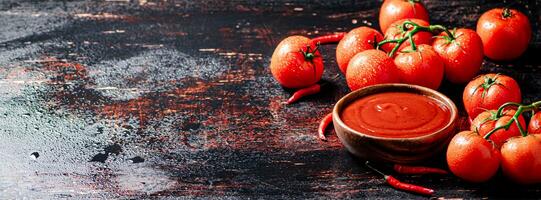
412,43
381,43
536,105
309,56
506,13
409,36
505,105
522,131
521,108
435,28
508,124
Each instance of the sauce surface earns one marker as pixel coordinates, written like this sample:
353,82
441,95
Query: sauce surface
396,115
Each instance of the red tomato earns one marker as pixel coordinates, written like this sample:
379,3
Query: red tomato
356,41
472,158
535,124
487,120
394,10
462,56
489,92
505,33
294,65
422,67
395,31
370,67
521,159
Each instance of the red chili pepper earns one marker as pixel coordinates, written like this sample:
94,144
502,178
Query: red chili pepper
323,125
408,187
405,169
328,39
395,183
314,89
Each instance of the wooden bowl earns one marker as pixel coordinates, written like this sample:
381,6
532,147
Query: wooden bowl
396,150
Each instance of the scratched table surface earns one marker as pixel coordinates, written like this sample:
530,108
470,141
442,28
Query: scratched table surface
143,99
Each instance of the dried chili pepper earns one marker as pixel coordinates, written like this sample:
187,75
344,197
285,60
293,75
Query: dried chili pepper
314,89
395,183
328,39
323,125
406,169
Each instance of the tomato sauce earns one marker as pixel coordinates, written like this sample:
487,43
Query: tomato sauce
396,115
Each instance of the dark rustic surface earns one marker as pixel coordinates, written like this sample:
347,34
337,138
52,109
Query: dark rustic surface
127,98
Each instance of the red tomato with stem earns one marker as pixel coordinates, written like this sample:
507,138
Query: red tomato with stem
489,92
394,10
462,54
535,124
370,67
296,63
505,33
420,67
356,41
396,31
472,158
487,121
521,159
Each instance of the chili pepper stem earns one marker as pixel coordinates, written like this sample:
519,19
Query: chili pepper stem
367,163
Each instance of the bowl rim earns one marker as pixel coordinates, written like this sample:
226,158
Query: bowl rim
447,102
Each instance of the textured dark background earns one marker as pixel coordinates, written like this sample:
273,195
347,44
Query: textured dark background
125,98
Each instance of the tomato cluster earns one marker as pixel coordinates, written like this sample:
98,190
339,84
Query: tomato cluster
498,138
411,50
418,52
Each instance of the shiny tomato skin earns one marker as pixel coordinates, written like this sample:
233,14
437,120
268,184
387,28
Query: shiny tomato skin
395,32
485,122
462,56
290,67
535,124
504,38
521,159
502,89
472,158
370,67
356,41
394,10
422,67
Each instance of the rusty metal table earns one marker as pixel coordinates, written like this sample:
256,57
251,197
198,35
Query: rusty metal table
148,98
